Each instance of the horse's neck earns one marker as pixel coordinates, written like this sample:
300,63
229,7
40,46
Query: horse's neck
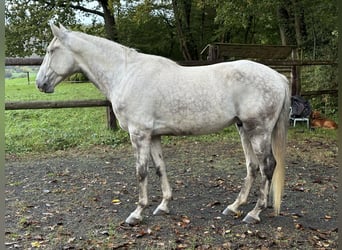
104,63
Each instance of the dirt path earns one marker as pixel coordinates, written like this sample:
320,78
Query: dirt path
79,200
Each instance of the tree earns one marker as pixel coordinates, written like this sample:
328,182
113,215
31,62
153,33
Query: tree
149,27
109,19
23,17
246,21
26,26
153,26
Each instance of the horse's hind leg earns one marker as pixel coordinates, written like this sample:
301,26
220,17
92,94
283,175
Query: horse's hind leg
157,157
141,143
252,167
263,150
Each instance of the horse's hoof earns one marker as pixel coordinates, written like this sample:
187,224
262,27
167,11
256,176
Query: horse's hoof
250,220
229,210
160,211
132,220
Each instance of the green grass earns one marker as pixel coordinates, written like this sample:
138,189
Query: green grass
56,129
49,130
18,90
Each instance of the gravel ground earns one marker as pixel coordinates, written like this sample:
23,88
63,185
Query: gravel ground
79,199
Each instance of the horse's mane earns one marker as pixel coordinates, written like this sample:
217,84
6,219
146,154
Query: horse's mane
101,41
105,43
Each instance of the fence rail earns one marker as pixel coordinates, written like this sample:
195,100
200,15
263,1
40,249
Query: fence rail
56,104
105,103
30,61
333,92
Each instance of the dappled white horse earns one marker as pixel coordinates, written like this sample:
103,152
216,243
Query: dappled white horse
154,96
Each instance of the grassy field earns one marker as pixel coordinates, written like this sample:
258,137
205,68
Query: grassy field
39,131
55,129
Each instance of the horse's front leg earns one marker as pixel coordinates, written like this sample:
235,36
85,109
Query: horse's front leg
157,157
141,144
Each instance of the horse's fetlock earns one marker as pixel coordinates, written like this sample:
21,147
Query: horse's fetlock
142,204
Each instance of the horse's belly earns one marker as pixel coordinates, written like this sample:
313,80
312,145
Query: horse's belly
191,126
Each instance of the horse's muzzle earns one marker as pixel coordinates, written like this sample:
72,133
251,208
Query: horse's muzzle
45,87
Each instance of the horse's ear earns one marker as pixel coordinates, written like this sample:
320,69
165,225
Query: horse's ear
58,32
62,28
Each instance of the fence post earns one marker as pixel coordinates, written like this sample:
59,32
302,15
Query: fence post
295,75
212,53
28,77
111,119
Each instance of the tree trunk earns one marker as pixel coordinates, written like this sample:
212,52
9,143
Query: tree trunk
249,30
292,23
109,21
299,23
182,13
287,33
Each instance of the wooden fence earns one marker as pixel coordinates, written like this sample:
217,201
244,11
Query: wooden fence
56,104
111,120
286,65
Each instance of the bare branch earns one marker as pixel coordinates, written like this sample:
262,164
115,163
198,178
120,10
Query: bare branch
75,7
81,8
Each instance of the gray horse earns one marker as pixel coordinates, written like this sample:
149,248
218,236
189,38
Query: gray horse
154,96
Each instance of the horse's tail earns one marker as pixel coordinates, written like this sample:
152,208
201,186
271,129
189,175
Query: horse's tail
279,138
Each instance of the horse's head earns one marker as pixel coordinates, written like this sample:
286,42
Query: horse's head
59,61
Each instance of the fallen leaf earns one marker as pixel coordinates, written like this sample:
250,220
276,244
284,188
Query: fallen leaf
70,240
156,228
141,233
214,203
182,246
260,235
227,245
35,244
116,201
238,214
184,221
296,215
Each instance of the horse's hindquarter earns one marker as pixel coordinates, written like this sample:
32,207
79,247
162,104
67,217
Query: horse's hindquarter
195,100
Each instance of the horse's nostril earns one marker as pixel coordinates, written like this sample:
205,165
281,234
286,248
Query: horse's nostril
42,86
